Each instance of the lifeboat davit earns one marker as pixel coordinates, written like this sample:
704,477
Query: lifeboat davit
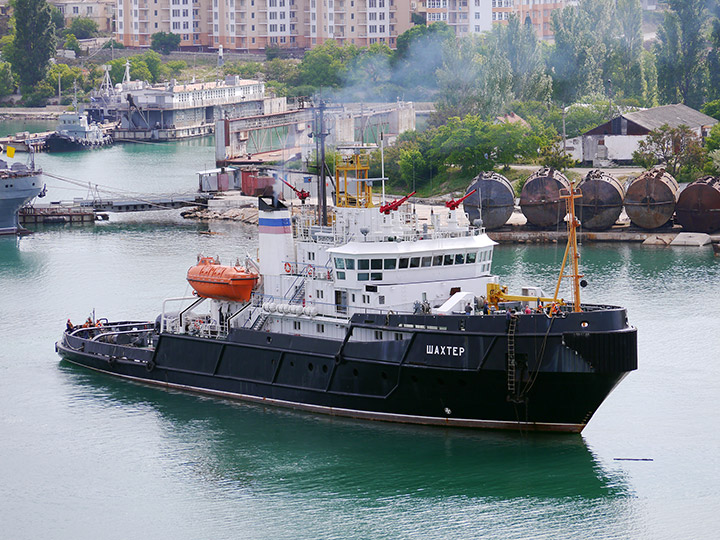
212,280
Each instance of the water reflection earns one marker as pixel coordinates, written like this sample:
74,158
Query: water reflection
14,262
275,451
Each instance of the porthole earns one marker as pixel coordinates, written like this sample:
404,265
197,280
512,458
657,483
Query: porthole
383,375
584,324
292,364
310,366
324,368
355,372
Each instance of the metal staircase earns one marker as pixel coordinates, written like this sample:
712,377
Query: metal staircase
260,321
299,294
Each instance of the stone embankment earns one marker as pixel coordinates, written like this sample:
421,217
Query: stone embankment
51,112
232,206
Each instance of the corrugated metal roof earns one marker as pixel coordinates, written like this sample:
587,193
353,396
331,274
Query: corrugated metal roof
672,115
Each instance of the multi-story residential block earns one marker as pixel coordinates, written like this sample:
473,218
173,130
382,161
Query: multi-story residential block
475,16
255,25
537,12
100,11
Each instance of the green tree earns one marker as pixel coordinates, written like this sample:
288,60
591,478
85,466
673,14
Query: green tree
471,83
417,18
582,117
67,75
651,79
475,145
113,44
324,66
577,58
33,44
283,71
153,62
712,108
627,64
58,19
713,56
712,141
7,82
72,44
411,163
555,156
679,149
175,67
164,42
680,50
518,44
83,28
418,55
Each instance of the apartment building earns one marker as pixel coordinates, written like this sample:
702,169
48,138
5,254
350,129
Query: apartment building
464,16
254,25
100,11
475,16
536,12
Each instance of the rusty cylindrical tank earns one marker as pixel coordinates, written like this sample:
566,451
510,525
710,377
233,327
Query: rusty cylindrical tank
493,200
698,207
540,198
601,201
650,198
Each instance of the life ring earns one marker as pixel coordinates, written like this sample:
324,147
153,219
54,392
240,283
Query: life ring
311,271
288,268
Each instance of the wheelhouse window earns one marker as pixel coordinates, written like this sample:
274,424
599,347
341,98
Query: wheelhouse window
340,264
350,264
363,276
437,260
376,276
426,261
448,260
340,275
376,264
363,264
470,257
459,258
415,262
403,262
389,264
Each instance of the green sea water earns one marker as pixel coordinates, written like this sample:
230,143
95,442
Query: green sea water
83,455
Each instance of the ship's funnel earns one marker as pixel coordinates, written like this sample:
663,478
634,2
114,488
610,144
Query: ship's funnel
277,253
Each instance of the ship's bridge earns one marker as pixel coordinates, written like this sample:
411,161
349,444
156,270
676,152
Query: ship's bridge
428,260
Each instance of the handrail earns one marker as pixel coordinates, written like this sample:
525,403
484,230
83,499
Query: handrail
176,299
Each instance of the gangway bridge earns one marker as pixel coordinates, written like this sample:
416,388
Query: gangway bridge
108,199
144,203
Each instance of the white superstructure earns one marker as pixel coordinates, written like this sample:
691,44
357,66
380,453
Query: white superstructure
367,259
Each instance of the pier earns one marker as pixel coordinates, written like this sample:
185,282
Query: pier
82,211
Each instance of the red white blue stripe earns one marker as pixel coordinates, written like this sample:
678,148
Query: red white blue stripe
274,226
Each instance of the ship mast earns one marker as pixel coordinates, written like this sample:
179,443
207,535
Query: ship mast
572,224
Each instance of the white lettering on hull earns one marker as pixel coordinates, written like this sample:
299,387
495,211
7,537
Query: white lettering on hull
444,350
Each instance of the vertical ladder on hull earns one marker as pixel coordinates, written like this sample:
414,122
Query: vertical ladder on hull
511,355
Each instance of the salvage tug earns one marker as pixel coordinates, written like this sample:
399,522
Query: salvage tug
366,314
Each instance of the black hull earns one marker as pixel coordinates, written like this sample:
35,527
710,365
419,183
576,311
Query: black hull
59,143
562,377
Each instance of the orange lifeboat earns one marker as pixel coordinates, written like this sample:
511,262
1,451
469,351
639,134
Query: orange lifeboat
211,280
